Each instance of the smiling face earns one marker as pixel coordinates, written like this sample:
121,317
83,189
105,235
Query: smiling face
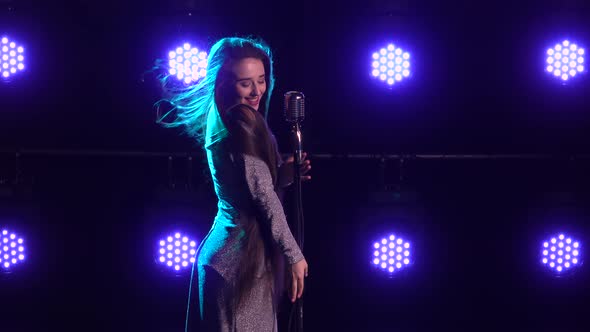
250,81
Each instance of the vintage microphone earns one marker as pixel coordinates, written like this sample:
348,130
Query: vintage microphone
294,114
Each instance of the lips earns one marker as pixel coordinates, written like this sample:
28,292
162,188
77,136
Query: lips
253,101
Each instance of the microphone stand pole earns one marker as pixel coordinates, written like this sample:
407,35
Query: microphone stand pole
298,152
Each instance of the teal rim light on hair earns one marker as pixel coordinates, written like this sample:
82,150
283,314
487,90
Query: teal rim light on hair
191,104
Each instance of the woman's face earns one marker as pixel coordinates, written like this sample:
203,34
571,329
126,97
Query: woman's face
250,83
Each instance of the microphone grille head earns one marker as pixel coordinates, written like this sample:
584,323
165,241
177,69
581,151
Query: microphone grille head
294,106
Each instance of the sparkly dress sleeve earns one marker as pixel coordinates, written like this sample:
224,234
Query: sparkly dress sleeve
247,129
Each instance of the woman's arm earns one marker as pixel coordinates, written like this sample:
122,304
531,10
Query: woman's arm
262,193
253,148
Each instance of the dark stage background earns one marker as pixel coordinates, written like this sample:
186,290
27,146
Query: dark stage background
91,181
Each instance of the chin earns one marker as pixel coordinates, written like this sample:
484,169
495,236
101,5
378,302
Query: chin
254,107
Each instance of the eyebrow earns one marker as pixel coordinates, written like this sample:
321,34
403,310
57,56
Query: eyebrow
244,79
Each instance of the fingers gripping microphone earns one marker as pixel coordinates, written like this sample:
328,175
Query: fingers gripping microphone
294,114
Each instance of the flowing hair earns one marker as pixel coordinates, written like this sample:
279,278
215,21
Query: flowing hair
192,107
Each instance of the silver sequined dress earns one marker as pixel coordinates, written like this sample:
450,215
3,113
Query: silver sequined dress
243,183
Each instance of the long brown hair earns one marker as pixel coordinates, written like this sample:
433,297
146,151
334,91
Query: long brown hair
190,105
249,134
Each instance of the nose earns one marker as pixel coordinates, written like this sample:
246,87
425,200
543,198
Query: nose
255,90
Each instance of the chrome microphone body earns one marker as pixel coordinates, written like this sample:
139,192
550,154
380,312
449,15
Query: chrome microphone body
294,110
294,106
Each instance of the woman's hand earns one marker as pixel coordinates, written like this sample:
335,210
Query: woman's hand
286,174
299,271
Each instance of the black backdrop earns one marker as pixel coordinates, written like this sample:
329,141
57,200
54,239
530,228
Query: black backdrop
96,186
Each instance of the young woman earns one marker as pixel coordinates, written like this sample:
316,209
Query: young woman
240,263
